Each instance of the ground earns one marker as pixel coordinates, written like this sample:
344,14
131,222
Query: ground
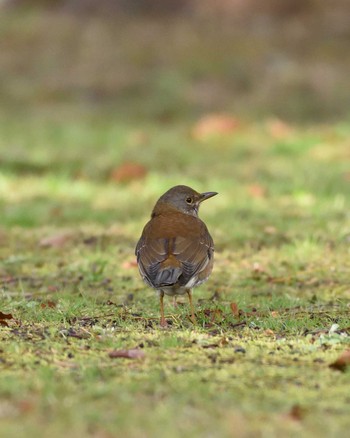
82,352
272,318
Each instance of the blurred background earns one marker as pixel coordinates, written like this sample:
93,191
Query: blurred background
170,59
103,101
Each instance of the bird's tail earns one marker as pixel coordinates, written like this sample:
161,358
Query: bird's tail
167,277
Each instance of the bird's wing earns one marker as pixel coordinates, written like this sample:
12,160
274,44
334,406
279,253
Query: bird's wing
167,261
195,255
150,254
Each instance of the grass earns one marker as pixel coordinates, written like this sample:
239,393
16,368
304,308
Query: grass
274,314
281,227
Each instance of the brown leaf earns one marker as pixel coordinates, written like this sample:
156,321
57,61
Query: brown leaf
56,240
269,229
215,125
297,412
278,128
269,332
127,172
49,304
133,353
4,317
224,341
258,269
256,191
129,264
342,363
26,406
234,309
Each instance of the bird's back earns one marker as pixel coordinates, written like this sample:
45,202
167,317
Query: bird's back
175,250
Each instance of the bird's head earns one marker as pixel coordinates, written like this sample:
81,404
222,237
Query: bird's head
181,198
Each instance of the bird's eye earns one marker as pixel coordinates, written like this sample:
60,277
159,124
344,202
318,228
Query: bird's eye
189,200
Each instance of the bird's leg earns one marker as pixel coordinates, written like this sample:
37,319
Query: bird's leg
189,293
174,301
163,322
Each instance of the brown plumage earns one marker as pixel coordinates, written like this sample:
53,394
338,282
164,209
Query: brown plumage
176,252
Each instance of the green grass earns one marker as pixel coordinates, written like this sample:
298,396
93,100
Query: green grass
282,256
68,232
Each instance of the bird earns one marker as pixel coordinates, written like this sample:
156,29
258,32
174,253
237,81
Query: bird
175,252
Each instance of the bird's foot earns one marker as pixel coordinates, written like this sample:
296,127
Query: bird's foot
163,323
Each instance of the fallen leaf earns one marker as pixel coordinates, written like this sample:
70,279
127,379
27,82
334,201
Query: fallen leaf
297,412
25,406
224,341
4,317
130,264
215,125
48,304
258,269
234,309
342,363
133,353
127,172
278,128
256,191
269,332
269,229
56,240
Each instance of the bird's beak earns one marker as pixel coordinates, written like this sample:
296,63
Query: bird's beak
207,195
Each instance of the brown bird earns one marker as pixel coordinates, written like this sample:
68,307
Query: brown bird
176,252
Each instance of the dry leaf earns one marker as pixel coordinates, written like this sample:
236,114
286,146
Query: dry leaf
258,268
342,363
48,304
224,341
278,128
214,125
269,332
256,191
133,353
127,172
234,309
269,229
56,240
297,412
130,264
4,317
25,406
